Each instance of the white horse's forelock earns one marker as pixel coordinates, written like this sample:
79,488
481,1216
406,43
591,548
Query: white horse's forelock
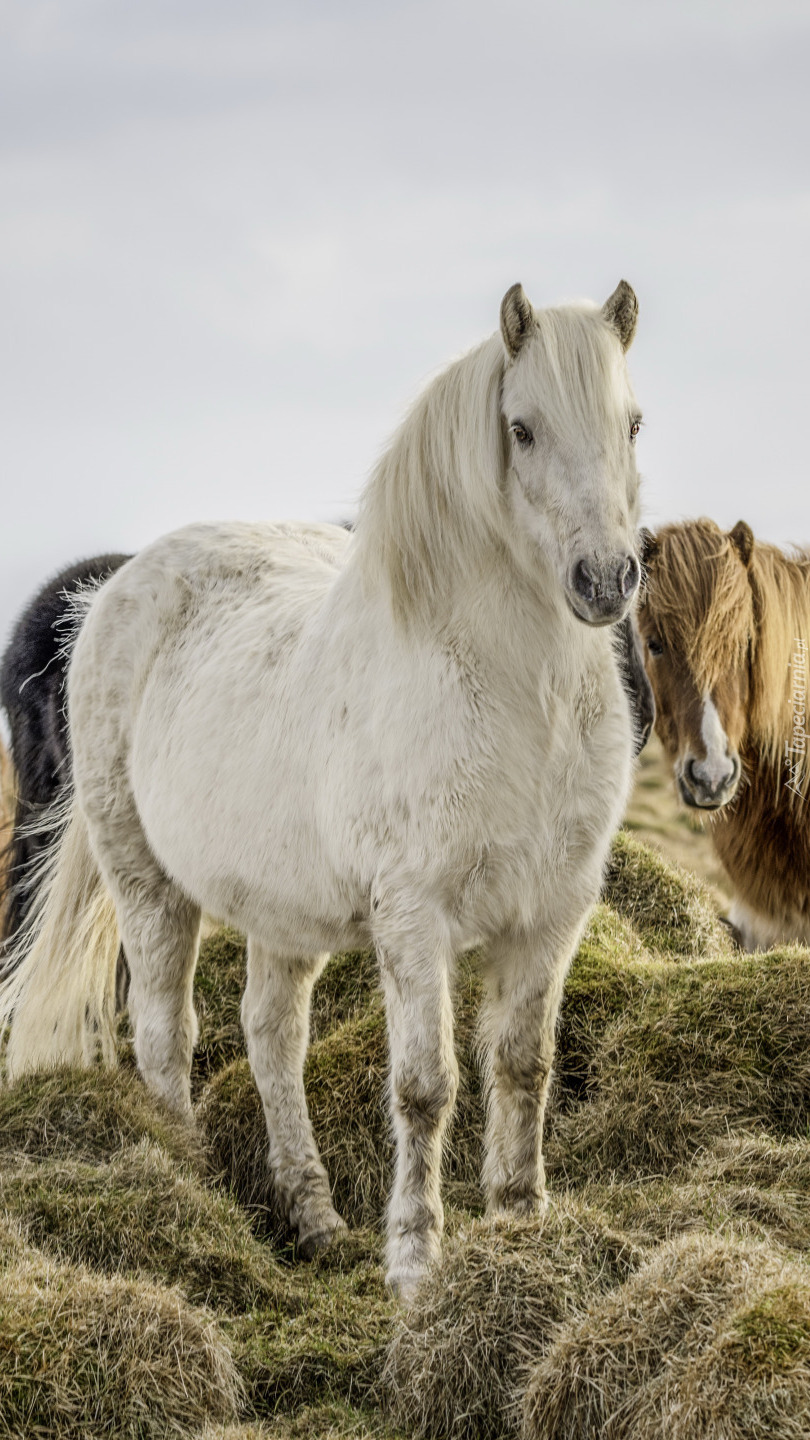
434,501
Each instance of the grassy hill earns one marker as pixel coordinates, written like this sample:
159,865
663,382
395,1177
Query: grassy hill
149,1288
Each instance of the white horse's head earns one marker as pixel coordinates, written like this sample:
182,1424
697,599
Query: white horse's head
572,420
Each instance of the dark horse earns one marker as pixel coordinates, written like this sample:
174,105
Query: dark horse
32,680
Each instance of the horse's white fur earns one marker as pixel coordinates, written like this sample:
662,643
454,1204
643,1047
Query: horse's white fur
717,766
402,737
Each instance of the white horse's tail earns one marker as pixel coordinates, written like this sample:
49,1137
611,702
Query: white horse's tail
57,1000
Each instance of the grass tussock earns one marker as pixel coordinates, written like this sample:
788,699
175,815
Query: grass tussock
711,1338
677,1122
672,910
81,1355
704,1049
88,1115
140,1212
330,1421
458,1358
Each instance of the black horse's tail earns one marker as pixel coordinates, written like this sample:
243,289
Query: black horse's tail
32,691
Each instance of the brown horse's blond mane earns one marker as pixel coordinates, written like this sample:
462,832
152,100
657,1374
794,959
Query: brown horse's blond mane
714,609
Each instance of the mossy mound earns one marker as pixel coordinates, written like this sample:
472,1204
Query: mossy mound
704,1049
330,1350
671,909
711,1338
88,1115
458,1358
661,1208
82,1355
140,1212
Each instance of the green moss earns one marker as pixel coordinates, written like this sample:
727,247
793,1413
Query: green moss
348,985
775,1330
329,1350
333,1420
705,1048
609,973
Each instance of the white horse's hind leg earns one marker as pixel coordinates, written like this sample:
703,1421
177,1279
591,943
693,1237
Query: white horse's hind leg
275,1018
524,990
160,929
424,1081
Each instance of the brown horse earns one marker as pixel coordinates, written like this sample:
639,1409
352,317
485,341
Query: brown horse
725,626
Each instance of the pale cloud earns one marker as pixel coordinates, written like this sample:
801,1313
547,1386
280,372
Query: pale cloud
237,236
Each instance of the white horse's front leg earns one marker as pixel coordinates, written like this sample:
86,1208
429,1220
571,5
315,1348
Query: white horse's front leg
525,979
275,1019
424,1081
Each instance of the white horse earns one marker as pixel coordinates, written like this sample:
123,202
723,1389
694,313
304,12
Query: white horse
405,737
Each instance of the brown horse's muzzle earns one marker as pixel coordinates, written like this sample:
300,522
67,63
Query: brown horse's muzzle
707,788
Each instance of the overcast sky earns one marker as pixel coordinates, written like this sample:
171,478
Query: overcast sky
236,236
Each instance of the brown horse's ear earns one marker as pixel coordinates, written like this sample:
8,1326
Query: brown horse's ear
621,311
742,538
517,319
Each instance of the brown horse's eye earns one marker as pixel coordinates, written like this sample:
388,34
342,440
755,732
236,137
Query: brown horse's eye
634,429
522,434
654,646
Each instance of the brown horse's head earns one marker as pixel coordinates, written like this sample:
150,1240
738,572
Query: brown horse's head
696,619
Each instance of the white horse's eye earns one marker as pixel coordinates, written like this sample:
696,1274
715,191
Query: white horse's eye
522,434
634,429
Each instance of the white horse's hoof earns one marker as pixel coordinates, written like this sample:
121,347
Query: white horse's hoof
314,1242
405,1284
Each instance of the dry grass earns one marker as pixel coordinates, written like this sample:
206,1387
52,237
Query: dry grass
678,1120
88,1115
672,910
711,1338
331,1421
705,1048
140,1212
82,1356
458,1359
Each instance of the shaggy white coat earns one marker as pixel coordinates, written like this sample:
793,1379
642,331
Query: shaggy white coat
402,738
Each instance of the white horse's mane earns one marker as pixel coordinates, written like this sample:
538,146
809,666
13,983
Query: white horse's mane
433,503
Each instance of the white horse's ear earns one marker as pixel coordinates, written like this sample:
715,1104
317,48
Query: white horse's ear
517,319
621,311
